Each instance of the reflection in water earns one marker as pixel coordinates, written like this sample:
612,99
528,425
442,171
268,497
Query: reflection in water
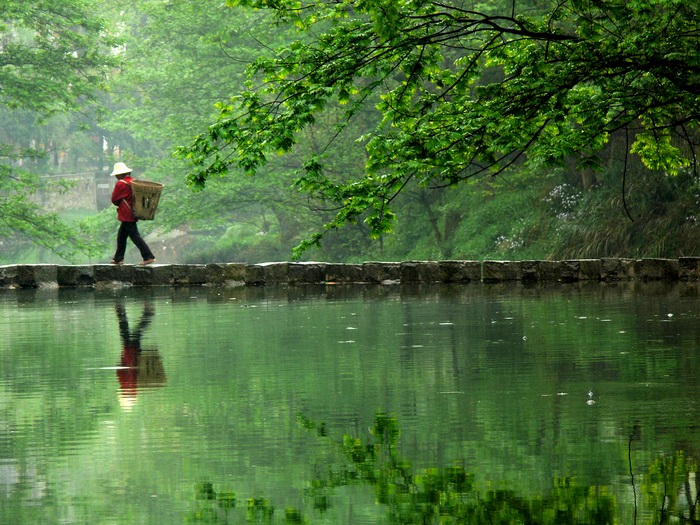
494,428
139,367
634,436
455,495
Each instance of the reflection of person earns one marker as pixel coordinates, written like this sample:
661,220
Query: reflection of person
123,199
137,367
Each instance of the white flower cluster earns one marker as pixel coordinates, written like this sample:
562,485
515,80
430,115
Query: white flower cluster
509,243
564,199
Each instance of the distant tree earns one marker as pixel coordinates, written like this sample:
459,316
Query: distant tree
463,89
54,56
53,53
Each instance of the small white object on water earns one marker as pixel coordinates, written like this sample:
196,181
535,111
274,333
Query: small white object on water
590,401
524,338
670,315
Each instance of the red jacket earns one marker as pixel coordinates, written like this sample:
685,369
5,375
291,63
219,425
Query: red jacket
124,200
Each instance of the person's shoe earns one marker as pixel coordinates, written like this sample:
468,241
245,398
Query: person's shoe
114,261
146,262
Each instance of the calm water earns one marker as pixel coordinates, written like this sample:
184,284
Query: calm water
351,405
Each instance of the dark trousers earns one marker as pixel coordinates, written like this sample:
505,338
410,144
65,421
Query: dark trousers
129,230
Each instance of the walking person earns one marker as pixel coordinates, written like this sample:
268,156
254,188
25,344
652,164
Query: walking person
123,199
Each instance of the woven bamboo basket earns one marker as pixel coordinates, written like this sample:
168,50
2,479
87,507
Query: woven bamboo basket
146,196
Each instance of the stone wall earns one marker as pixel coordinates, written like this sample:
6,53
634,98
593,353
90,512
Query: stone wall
407,272
88,191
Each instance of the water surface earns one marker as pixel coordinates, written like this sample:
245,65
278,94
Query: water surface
350,405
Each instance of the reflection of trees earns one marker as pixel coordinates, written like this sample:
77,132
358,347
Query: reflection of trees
452,495
671,488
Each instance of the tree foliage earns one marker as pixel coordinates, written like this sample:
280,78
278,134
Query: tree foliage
180,59
54,55
462,90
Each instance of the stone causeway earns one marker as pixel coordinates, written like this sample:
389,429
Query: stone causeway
299,273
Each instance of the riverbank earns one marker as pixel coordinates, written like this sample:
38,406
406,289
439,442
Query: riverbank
407,272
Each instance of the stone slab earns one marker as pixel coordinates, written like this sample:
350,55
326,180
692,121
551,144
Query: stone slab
656,269
382,272
197,274
344,273
498,271
614,269
540,271
153,275
306,273
589,269
420,272
225,273
689,268
75,276
459,271
29,275
570,271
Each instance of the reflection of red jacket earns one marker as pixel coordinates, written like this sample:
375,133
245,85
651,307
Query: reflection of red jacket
128,377
124,200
